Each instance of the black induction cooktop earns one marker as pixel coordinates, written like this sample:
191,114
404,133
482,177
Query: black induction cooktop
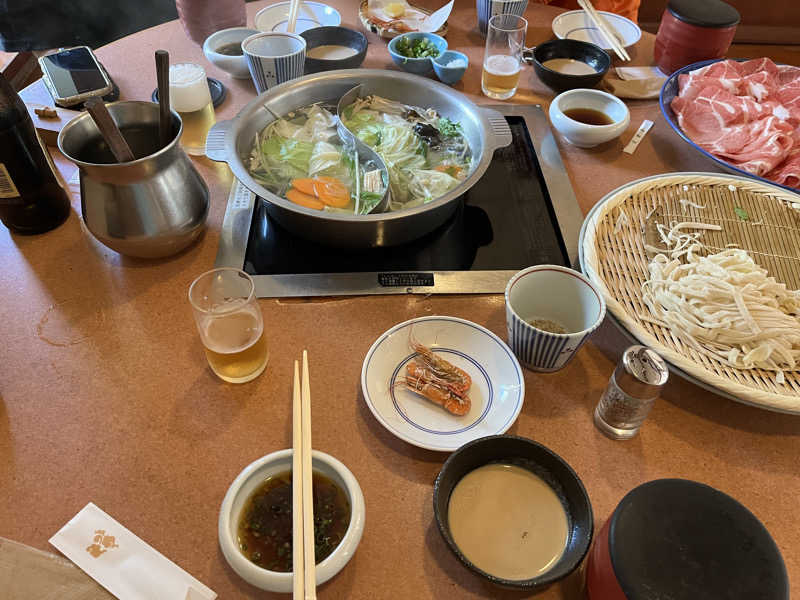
521,212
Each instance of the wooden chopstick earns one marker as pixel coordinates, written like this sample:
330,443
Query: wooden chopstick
294,10
109,130
604,29
309,566
298,585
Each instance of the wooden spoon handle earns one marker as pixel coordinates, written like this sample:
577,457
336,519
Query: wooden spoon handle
109,130
165,118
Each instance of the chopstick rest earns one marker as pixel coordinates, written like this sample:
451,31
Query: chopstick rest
123,563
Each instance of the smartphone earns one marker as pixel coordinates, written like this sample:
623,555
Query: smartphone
74,75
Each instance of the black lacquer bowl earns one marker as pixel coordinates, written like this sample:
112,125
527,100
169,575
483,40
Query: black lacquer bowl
592,55
541,461
334,36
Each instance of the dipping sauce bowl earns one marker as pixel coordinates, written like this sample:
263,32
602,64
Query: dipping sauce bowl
253,476
574,57
583,134
348,39
235,64
553,473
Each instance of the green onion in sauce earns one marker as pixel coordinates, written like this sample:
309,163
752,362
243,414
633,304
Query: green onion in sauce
265,525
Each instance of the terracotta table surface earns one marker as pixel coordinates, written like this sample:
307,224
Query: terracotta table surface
105,395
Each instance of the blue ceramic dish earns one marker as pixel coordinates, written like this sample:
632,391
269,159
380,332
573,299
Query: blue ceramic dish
450,75
418,66
668,92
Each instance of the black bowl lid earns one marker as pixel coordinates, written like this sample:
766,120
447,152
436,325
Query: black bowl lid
704,13
678,539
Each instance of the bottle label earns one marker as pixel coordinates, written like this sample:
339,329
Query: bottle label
7,187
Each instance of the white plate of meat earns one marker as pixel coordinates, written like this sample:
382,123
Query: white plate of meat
439,382
742,114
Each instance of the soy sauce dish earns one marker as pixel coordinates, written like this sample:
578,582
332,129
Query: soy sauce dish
587,118
545,526
255,520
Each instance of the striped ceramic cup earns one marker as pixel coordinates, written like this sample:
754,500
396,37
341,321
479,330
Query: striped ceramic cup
274,57
489,8
550,312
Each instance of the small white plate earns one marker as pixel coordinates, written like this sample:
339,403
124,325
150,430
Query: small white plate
497,392
312,14
576,25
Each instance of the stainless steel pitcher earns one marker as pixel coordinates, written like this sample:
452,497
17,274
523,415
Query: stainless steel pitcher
150,207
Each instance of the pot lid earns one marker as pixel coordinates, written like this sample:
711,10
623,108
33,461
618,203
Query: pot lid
679,539
705,13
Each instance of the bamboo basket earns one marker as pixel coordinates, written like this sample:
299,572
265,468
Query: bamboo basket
613,256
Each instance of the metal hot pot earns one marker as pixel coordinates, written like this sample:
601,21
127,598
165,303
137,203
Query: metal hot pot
231,141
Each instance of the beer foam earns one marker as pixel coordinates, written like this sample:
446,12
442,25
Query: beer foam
188,88
502,64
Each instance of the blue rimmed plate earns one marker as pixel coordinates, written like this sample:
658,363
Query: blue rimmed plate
497,392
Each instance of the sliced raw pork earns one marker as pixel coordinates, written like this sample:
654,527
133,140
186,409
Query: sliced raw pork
745,113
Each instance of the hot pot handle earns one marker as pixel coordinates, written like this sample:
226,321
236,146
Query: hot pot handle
215,141
499,131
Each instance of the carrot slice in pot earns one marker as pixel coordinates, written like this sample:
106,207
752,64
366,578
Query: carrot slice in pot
331,191
305,185
303,199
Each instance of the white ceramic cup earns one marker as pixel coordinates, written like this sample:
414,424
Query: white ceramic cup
581,134
249,480
274,57
552,293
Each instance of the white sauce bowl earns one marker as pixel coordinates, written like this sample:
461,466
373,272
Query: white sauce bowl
581,134
236,65
252,477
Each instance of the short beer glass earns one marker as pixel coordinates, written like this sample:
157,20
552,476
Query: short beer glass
229,321
190,98
502,61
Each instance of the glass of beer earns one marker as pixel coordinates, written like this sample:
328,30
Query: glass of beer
229,321
190,98
502,61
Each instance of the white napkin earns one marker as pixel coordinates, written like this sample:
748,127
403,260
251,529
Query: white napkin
123,563
437,19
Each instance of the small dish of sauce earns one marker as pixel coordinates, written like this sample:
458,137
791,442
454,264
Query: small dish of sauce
331,52
265,523
569,66
233,49
588,116
523,539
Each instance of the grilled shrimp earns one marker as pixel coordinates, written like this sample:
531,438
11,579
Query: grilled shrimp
458,405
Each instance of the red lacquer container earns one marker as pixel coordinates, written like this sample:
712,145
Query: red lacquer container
683,540
692,31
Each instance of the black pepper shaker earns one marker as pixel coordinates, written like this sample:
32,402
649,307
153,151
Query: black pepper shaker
632,389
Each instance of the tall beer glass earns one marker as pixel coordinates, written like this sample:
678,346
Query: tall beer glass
502,61
229,321
189,96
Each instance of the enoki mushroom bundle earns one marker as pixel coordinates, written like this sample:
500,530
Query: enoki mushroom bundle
727,307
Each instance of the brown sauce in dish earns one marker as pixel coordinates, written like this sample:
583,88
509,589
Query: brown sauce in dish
589,116
234,49
265,524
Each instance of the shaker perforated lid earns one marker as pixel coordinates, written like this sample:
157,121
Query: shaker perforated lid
704,13
641,372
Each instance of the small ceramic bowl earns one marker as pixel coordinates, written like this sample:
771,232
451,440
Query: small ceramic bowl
544,295
236,65
581,134
583,53
544,463
418,66
251,478
447,74
334,36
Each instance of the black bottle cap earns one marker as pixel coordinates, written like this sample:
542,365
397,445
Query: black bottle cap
683,540
704,13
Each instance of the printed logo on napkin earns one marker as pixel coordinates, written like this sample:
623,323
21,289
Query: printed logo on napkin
123,563
102,543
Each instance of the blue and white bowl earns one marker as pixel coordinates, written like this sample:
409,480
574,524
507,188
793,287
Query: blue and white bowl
552,293
274,58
